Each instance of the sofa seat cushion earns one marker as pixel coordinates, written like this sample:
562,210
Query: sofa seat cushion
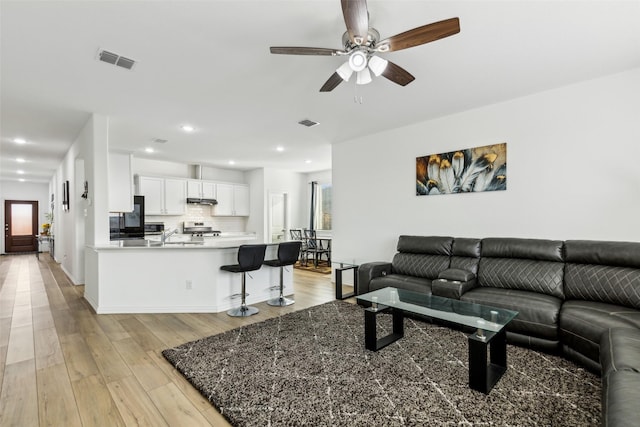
537,313
620,397
401,281
620,350
582,324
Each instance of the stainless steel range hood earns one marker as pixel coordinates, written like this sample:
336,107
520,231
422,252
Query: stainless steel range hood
199,201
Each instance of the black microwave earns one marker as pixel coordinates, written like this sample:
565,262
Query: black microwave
127,225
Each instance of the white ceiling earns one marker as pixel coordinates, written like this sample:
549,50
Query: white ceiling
207,63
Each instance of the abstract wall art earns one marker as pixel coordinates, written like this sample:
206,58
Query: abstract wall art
463,171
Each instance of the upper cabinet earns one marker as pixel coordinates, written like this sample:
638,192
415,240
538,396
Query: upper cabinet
163,196
120,183
201,189
233,200
241,200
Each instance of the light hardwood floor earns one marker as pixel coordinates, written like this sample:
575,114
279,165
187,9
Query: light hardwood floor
63,365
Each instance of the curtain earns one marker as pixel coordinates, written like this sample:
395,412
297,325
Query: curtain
314,205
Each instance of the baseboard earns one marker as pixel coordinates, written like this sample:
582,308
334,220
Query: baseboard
153,310
72,279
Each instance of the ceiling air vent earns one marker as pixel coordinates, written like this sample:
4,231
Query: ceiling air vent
115,59
308,123
160,140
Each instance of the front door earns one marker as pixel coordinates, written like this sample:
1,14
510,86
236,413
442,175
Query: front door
21,226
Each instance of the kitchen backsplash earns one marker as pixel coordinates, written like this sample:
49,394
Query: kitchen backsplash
201,213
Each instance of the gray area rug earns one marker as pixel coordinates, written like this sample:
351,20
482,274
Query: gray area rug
311,368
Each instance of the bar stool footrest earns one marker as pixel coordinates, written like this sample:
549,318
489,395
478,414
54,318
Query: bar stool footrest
238,295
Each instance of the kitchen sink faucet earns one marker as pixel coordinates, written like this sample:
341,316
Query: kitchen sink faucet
166,235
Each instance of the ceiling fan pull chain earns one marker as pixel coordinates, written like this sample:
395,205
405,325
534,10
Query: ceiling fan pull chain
356,99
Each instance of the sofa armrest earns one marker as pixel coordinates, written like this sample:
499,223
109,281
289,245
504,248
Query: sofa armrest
457,274
453,289
369,271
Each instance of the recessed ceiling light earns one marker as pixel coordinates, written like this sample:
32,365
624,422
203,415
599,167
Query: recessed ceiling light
20,172
232,162
149,150
279,148
20,160
307,161
21,180
19,141
187,128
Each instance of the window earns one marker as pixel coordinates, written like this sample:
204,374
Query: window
323,208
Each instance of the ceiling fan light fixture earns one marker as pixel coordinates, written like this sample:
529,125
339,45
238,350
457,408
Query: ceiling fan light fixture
345,71
363,77
377,65
358,60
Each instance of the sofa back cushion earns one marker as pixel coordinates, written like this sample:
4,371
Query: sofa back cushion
603,271
465,254
422,256
430,245
526,264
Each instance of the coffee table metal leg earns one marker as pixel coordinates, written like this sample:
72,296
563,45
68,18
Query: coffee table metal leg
371,341
482,375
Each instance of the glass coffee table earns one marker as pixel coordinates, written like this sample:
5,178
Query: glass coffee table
489,323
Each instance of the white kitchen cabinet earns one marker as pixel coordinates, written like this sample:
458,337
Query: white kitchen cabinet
163,196
201,189
120,183
224,197
241,200
175,196
233,200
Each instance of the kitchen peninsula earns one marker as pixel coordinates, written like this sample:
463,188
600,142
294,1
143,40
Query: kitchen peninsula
174,278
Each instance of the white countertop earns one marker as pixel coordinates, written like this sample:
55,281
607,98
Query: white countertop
181,242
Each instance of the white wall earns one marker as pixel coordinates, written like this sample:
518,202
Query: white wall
64,221
15,190
257,198
572,172
291,183
87,221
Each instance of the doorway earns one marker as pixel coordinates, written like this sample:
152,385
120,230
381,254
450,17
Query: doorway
278,227
20,226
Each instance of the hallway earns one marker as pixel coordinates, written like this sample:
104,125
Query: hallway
63,365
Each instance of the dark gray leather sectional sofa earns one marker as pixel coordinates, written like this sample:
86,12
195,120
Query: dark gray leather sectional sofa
578,298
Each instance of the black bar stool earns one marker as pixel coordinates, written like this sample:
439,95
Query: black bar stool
250,258
287,255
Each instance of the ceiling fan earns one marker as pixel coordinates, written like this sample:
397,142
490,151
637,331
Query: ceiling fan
362,43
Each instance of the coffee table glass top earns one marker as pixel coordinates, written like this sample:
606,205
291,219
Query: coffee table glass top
461,312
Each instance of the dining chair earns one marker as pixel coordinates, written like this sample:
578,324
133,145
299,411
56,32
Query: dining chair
317,248
296,234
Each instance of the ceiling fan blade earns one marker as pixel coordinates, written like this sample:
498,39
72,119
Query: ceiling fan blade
421,35
285,50
397,74
356,17
331,84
